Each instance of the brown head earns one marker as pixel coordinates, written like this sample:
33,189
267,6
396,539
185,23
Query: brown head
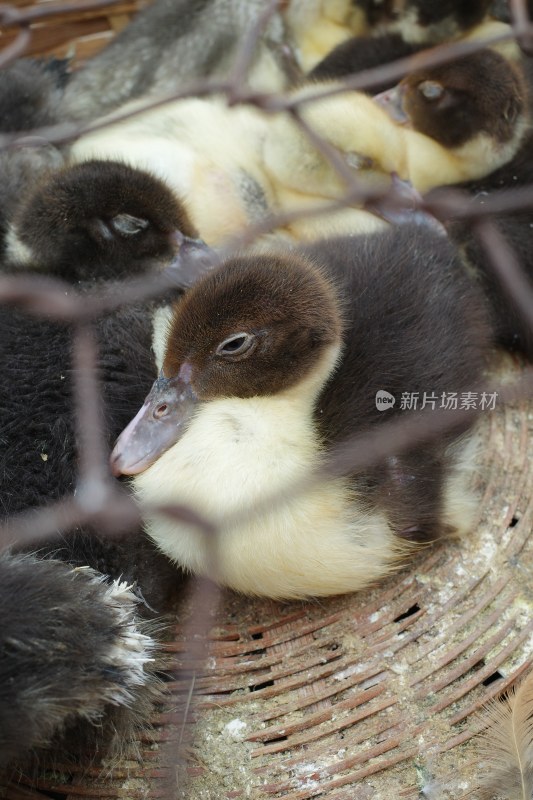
99,217
256,326
482,93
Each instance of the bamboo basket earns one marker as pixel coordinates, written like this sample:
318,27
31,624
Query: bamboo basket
372,695
69,30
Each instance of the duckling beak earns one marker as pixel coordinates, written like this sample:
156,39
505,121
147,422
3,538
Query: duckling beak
158,425
192,260
400,207
391,101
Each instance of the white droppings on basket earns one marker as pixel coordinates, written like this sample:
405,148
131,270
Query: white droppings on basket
305,769
308,783
488,548
235,730
345,673
400,668
307,775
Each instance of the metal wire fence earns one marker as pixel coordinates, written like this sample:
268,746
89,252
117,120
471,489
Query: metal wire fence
101,501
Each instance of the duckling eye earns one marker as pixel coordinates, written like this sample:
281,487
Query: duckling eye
431,90
127,225
236,345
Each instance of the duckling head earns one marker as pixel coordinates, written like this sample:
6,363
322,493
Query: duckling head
256,327
480,95
97,219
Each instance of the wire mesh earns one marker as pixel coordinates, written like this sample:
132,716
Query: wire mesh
370,695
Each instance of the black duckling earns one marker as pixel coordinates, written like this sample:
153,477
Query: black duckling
475,104
270,360
97,218
71,646
513,332
336,39
476,107
83,598
424,21
77,638
399,29
358,54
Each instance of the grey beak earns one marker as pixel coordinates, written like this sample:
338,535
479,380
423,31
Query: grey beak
193,259
392,102
158,425
401,208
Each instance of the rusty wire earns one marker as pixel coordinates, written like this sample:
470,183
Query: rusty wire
99,499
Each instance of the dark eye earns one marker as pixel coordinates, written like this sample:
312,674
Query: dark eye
127,225
236,345
431,90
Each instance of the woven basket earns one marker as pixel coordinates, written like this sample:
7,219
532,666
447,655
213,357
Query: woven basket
76,33
372,695
366,696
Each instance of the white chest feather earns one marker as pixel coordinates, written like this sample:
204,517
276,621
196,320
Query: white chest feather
239,453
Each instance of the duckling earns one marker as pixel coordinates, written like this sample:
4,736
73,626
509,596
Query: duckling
424,21
239,166
396,40
71,646
356,126
337,37
513,332
459,107
271,360
97,218
74,629
42,374
477,103
30,96
483,122
360,53
170,44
